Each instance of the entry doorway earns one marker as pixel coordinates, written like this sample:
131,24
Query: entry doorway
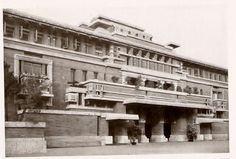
167,130
148,130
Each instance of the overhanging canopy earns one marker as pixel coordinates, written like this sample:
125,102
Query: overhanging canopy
116,116
210,120
165,103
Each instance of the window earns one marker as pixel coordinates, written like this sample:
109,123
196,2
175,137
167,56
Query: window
121,30
95,74
38,36
144,36
195,72
72,75
98,50
201,92
220,78
136,34
210,75
84,75
24,32
215,76
129,32
52,40
65,42
77,46
31,68
88,48
9,29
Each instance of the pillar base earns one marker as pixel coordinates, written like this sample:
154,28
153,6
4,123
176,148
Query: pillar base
200,137
158,138
144,139
107,140
121,140
178,138
207,136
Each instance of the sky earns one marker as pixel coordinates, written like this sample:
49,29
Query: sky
199,27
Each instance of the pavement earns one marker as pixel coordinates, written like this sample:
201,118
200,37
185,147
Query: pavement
141,148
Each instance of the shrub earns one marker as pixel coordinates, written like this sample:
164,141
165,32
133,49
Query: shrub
114,79
191,132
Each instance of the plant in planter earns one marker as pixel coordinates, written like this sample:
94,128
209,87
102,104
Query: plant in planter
188,89
191,132
138,82
114,79
133,132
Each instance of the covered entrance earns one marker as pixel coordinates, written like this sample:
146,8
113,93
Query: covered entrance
167,130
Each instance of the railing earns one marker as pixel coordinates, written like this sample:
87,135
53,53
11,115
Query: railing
220,104
112,91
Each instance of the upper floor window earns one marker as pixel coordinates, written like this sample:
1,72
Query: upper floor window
98,49
95,75
84,75
196,72
65,42
129,32
52,40
8,29
88,47
72,75
24,32
38,36
32,68
136,34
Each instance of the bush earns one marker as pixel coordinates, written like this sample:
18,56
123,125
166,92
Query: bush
114,79
191,132
133,132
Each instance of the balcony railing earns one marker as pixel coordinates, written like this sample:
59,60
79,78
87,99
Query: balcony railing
119,92
220,104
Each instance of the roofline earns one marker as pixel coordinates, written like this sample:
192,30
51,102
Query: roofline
119,22
116,39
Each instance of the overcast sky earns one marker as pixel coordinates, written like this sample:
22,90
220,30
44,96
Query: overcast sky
200,27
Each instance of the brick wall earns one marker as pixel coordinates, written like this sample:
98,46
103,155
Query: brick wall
67,125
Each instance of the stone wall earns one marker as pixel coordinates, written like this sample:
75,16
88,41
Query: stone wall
25,138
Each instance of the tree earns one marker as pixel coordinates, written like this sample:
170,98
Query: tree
31,93
12,89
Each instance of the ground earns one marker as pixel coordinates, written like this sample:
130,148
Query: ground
148,148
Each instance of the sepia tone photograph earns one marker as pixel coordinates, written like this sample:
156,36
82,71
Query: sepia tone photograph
103,78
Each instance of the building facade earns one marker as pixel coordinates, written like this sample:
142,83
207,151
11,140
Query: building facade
106,73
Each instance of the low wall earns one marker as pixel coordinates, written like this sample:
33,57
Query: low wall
71,128
25,138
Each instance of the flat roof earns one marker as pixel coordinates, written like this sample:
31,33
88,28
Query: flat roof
118,22
81,30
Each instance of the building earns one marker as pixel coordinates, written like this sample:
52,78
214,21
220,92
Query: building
106,73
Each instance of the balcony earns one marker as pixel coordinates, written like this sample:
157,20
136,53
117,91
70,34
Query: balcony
220,104
100,90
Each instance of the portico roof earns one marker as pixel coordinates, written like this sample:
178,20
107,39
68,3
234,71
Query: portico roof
165,103
210,120
119,116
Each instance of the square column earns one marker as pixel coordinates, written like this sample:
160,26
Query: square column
120,132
